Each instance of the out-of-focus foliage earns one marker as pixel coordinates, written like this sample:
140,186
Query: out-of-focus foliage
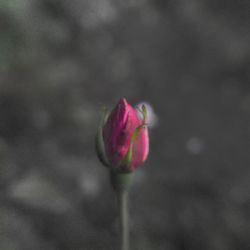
61,61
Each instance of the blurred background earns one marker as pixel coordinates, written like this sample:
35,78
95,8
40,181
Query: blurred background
61,61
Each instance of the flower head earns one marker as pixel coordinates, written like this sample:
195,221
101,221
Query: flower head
122,141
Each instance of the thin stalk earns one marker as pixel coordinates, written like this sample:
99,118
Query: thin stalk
124,220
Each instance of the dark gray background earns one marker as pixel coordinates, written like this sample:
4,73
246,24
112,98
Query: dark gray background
62,61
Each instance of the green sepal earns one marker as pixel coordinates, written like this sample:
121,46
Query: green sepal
126,161
144,113
99,144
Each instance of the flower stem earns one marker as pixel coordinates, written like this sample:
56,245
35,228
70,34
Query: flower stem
121,183
122,196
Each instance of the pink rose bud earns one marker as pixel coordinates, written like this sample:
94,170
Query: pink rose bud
122,140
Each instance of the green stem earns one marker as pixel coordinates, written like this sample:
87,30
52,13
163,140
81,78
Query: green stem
121,183
122,196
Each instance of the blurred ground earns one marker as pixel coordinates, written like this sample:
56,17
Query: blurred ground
61,61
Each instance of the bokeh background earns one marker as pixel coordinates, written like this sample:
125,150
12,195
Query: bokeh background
61,61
